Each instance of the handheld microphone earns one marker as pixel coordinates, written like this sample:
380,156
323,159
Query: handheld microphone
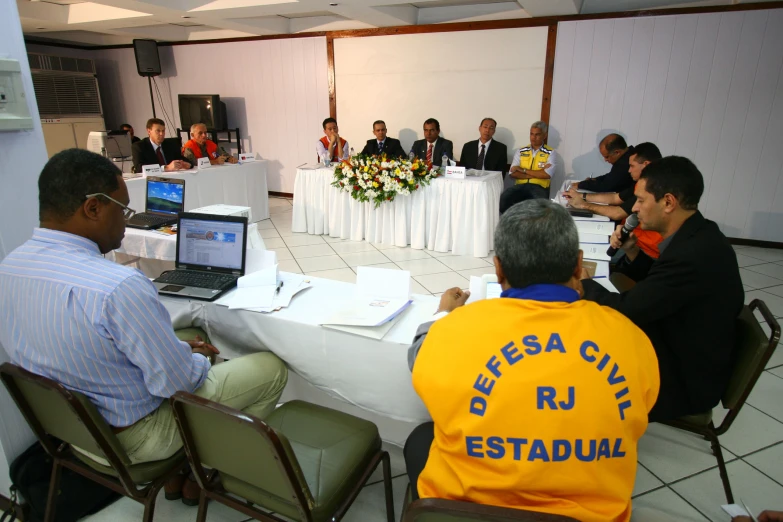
631,223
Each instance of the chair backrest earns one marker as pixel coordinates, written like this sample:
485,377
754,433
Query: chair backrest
243,448
752,351
440,510
52,409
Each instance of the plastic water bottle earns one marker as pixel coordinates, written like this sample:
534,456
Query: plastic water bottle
352,152
326,160
411,155
445,161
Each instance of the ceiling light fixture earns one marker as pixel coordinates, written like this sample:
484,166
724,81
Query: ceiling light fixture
333,4
186,17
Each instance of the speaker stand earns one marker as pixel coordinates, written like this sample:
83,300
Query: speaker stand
152,98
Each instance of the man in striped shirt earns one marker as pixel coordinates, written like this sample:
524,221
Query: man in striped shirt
97,327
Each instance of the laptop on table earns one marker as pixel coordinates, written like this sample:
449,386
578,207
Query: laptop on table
210,256
165,199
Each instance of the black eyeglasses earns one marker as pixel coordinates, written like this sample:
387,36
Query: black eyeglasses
127,212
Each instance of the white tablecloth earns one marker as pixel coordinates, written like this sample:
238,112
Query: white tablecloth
448,215
242,185
368,377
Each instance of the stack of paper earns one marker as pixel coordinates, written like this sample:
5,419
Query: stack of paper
382,295
264,291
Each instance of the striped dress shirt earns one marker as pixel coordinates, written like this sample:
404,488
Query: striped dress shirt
92,325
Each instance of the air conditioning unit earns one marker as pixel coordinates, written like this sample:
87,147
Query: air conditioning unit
69,101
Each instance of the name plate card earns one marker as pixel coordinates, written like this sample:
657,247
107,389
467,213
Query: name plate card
246,157
455,172
151,169
203,163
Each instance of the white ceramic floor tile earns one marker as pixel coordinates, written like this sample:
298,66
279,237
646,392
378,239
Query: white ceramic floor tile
271,232
765,254
364,258
672,454
756,280
490,258
777,358
775,290
349,247
777,371
382,246
424,266
289,265
766,430
388,266
478,272
316,264
664,505
457,263
645,481
279,202
770,269
738,247
277,211
397,461
705,490
416,288
766,395
127,510
330,239
770,462
265,224
274,242
282,253
405,254
301,252
370,505
338,274
439,283
773,302
743,260
303,240
434,253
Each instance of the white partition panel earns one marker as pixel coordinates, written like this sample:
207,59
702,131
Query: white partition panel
708,87
457,78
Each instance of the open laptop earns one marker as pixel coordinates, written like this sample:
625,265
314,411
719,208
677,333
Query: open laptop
165,199
210,256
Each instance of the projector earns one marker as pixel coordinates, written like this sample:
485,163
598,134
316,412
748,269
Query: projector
225,210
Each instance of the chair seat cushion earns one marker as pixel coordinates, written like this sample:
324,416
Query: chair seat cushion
332,448
140,473
699,419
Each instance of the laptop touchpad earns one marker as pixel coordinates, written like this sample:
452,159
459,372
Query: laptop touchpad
171,288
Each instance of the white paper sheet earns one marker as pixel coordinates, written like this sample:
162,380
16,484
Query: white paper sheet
368,311
252,297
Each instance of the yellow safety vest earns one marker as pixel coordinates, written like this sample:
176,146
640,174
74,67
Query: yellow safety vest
528,161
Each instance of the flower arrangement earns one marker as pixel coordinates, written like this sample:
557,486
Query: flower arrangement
379,179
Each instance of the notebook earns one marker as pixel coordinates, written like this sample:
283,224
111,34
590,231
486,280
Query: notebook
210,256
165,199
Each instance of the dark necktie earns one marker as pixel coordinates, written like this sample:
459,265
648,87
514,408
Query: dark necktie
480,162
161,161
380,147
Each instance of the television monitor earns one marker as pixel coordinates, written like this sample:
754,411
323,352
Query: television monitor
202,108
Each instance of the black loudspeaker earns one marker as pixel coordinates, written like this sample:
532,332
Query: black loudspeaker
147,58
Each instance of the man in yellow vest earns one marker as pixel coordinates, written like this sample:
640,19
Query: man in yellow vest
534,164
538,398
198,146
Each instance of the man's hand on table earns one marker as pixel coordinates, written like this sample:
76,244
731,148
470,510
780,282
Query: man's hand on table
199,346
452,298
766,516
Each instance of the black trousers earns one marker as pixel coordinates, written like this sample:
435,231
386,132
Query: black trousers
416,452
521,192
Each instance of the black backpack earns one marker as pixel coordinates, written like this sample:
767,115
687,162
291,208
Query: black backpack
77,497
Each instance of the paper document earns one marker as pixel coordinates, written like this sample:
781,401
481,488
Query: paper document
255,290
369,311
605,228
256,260
482,287
594,252
601,239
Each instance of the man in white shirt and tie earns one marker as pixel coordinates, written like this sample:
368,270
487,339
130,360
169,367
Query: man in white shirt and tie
154,150
432,148
382,144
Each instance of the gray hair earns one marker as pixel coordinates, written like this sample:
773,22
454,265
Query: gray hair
196,126
537,243
540,125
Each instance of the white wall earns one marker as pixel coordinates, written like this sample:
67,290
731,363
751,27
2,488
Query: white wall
275,91
22,156
458,78
708,87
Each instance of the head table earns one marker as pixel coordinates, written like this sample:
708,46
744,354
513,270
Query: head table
457,215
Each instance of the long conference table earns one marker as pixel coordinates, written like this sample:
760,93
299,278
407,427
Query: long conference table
241,185
457,215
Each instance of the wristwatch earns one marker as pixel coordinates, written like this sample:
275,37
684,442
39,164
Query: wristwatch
584,196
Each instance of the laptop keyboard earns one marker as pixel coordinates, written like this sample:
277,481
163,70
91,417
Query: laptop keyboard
150,220
196,278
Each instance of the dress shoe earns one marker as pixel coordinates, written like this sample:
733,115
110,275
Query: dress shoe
190,491
172,489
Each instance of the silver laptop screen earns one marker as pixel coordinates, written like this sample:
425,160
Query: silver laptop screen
165,197
211,243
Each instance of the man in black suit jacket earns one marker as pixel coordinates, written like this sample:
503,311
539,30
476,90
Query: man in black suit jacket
495,156
440,146
689,301
145,152
381,144
617,153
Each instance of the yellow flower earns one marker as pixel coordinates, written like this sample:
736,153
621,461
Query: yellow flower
375,184
397,171
366,169
411,181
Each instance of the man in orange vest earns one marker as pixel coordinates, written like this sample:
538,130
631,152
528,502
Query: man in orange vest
328,145
200,147
617,206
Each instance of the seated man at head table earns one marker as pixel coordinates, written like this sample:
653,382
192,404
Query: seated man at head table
97,327
538,398
332,145
692,295
532,166
198,146
485,153
617,206
156,150
617,153
382,144
127,128
432,148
